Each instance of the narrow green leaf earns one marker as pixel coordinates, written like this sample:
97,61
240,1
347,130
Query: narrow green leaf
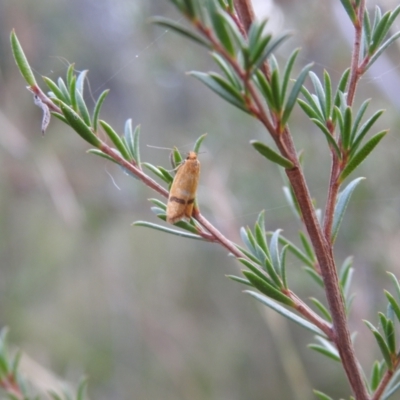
379,33
268,289
348,6
64,90
307,109
296,251
320,93
128,138
325,352
382,344
270,48
274,251
307,247
239,280
283,266
396,283
344,273
228,71
256,271
328,94
97,108
311,101
347,125
314,274
221,87
288,71
224,31
265,88
331,140
375,376
81,106
248,254
341,205
364,130
169,24
156,171
98,152
324,311
246,239
286,313
362,154
292,201
78,124
115,138
341,86
395,305
322,396
21,60
72,89
390,337
271,155
357,119
167,230
80,81
55,90
256,49
292,98
198,143
259,232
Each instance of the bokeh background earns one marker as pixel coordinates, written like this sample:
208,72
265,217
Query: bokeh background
142,314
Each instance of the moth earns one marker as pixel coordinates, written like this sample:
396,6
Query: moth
183,190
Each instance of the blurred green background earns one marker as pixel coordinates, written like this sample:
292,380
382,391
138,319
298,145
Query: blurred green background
143,314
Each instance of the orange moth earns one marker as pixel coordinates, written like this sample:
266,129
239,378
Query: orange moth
183,190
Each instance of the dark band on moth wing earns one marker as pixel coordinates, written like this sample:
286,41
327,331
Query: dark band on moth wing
181,201
177,200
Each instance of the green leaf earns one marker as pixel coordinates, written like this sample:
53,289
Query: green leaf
228,71
224,31
98,152
395,305
64,91
239,280
286,313
271,155
362,154
348,6
167,230
276,91
296,251
322,396
359,135
21,60
379,33
54,89
341,86
288,71
72,89
341,205
256,271
382,344
271,46
198,143
156,171
345,272
83,111
375,376
347,125
97,108
330,139
314,274
319,90
294,94
268,289
390,337
169,24
324,311
80,81
114,137
78,124
221,87
396,283
265,88
326,352
274,250
358,118
311,101
328,94
307,247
